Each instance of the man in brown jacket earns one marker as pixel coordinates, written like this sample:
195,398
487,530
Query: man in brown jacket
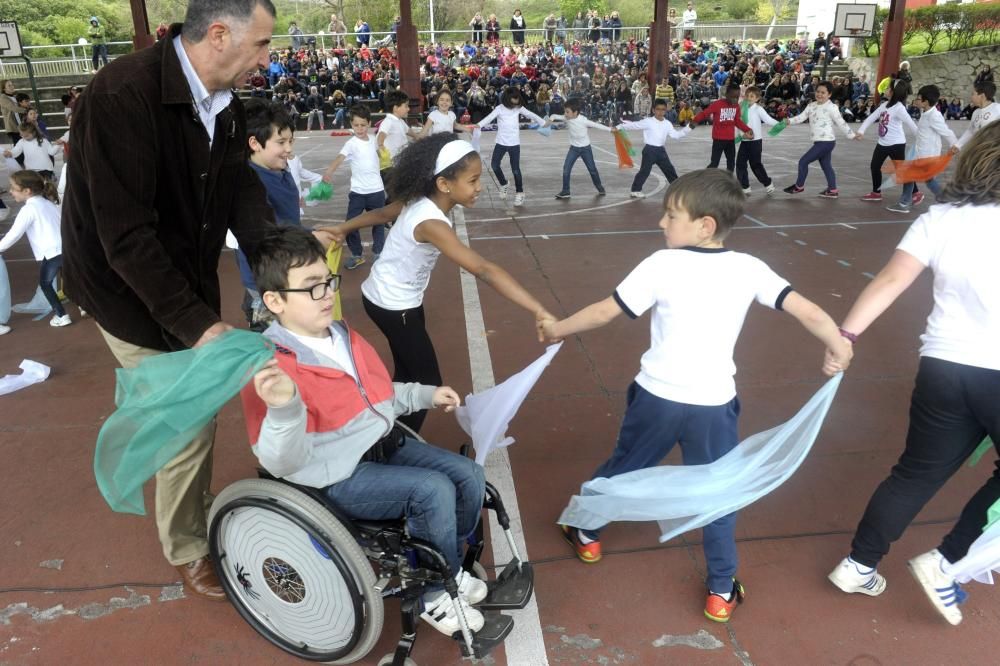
159,172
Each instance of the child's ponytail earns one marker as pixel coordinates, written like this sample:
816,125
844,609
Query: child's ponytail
35,183
50,191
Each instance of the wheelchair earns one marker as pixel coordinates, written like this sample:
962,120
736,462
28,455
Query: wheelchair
313,582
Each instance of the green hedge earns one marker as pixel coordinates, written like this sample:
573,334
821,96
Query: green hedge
941,27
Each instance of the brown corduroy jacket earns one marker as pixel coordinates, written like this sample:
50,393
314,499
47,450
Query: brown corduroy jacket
148,201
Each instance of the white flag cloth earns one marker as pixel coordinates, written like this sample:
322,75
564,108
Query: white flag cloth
485,416
33,373
38,305
477,135
982,559
4,293
682,498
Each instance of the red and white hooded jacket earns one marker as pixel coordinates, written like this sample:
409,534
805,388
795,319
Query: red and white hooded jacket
318,437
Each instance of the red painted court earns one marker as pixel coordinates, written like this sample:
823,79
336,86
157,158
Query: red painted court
82,585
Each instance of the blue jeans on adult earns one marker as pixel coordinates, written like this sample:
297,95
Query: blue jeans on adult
360,203
49,270
821,151
100,51
439,492
587,154
499,150
650,428
907,197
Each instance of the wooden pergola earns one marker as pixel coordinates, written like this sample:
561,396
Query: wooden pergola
659,43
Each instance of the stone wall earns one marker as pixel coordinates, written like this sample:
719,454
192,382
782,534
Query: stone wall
952,71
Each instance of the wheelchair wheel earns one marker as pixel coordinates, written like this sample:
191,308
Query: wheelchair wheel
294,572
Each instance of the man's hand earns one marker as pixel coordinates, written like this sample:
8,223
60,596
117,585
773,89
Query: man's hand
445,396
273,386
213,332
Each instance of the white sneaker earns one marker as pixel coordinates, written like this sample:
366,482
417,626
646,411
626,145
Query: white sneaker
769,190
519,199
852,577
637,195
440,614
940,588
504,191
471,588
746,191
60,321
4,330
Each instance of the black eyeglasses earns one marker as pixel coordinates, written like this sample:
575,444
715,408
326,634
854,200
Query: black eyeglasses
318,291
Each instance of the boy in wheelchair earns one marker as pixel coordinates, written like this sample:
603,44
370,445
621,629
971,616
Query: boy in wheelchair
321,414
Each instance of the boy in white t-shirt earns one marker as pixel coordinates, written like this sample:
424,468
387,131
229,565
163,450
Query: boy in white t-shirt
930,130
367,192
699,293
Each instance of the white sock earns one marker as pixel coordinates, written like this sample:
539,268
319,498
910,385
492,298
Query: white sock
584,539
725,595
860,567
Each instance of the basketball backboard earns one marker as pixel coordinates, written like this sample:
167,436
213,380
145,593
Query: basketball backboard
854,20
10,40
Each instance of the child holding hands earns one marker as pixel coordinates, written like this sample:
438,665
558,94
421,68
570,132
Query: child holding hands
684,391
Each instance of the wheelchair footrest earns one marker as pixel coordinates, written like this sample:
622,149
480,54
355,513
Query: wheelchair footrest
511,590
493,633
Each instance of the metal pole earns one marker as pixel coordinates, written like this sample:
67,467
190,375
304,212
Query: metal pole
432,21
892,42
31,79
659,45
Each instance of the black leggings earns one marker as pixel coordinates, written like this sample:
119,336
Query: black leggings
499,151
413,356
750,152
896,151
953,408
722,147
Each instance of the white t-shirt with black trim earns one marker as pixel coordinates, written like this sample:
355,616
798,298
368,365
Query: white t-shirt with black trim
362,156
959,244
399,278
699,298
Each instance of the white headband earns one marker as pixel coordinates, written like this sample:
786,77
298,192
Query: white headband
452,152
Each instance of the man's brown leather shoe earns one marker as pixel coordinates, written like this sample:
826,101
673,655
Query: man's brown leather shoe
200,579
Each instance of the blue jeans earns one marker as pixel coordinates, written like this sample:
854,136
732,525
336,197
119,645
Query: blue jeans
100,52
49,270
907,197
499,151
650,428
577,152
360,203
440,494
822,151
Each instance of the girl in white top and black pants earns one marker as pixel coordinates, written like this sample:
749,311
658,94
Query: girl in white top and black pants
39,220
892,117
508,116
955,400
431,177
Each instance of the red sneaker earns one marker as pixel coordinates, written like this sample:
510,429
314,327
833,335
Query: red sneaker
718,609
917,198
588,553
872,196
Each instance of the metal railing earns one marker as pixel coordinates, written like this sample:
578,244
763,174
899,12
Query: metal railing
69,59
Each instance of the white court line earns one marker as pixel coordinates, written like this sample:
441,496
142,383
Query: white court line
525,646
632,232
755,221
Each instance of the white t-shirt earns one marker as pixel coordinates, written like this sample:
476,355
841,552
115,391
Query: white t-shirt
699,298
398,279
39,219
959,244
509,123
363,158
689,17
655,132
930,130
578,129
980,119
395,130
442,123
333,347
891,121
756,118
